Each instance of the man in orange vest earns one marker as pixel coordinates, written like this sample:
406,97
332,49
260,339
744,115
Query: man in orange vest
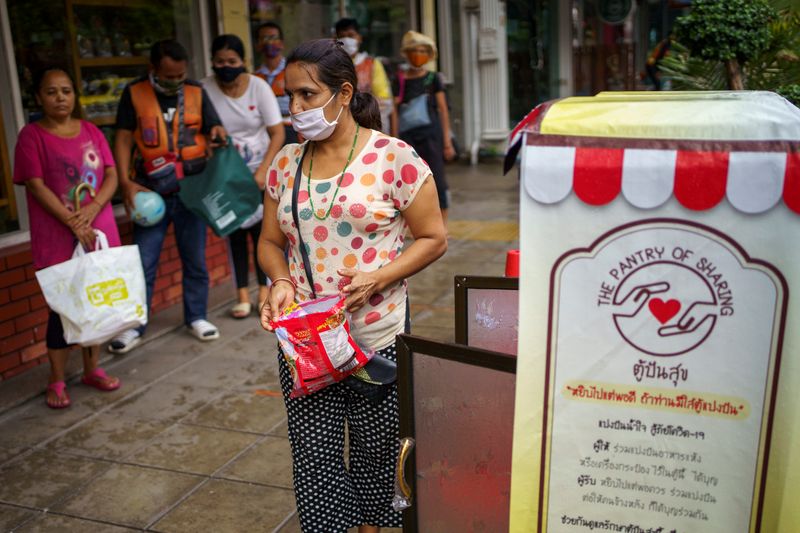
272,70
168,119
371,74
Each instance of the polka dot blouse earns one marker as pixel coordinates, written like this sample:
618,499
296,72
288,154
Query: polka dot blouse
364,230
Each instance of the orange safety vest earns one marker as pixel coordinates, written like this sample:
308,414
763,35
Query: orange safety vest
151,131
278,84
364,74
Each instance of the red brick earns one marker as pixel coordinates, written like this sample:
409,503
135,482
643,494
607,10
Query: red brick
14,310
173,293
30,272
17,341
162,283
40,332
19,259
22,368
168,267
23,290
5,296
7,329
157,299
218,272
12,277
9,361
29,320
2,264
177,277
34,351
37,302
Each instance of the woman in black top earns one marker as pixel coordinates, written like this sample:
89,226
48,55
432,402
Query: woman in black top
424,120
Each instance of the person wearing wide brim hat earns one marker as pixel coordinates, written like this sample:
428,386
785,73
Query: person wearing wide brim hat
413,39
423,113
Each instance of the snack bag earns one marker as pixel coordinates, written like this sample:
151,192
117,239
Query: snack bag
317,345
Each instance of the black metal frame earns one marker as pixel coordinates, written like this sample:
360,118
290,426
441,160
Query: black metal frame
461,288
407,346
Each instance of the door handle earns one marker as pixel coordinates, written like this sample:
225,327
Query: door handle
402,490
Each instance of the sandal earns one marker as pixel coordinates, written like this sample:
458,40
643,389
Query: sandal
98,379
60,390
241,310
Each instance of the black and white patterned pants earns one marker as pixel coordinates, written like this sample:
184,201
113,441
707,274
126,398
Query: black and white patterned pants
331,497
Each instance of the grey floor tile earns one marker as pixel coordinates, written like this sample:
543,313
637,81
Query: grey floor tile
193,449
242,411
11,517
50,522
292,526
165,401
129,495
229,507
269,462
45,477
109,435
150,365
219,371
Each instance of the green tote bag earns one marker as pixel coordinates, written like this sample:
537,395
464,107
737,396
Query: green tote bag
224,194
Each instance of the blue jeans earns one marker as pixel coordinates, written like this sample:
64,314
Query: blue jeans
190,236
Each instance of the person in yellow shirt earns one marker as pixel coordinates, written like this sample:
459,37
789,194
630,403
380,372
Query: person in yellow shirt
370,72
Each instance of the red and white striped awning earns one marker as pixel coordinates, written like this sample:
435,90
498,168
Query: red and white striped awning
700,148
752,181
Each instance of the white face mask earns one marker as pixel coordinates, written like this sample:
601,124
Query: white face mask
350,45
312,123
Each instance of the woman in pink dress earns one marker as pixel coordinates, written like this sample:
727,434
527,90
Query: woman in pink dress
53,157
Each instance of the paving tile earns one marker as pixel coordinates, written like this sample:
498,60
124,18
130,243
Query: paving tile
45,477
292,526
269,462
149,366
36,422
83,395
242,411
282,430
6,454
216,372
165,401
129,495
50,522
226,506
11,517
193,449
109,436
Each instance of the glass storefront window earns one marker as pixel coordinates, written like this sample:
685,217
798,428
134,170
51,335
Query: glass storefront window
382,23
103,44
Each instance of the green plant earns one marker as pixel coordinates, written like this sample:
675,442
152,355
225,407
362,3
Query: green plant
729,31
791,93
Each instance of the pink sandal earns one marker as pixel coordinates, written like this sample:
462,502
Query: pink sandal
60,390
98,379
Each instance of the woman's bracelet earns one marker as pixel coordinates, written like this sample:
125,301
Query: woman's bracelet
276,280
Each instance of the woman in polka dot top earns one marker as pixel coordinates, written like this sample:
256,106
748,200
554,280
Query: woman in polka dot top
360,191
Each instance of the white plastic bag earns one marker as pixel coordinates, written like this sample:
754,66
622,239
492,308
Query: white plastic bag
98,294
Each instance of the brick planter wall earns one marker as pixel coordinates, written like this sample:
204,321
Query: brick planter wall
23,311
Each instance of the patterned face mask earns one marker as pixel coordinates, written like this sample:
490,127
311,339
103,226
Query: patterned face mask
168,87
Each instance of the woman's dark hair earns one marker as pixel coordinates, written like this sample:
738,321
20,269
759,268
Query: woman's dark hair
334,68
38,79
227,41
167,48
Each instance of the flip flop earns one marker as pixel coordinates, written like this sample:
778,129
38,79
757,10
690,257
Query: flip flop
98,379
60,389
241,310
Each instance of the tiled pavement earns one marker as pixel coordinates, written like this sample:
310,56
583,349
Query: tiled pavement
196,438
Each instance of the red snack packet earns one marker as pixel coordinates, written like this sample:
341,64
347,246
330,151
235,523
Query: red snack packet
317,344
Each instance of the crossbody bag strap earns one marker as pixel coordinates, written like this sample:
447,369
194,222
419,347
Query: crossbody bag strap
295,194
